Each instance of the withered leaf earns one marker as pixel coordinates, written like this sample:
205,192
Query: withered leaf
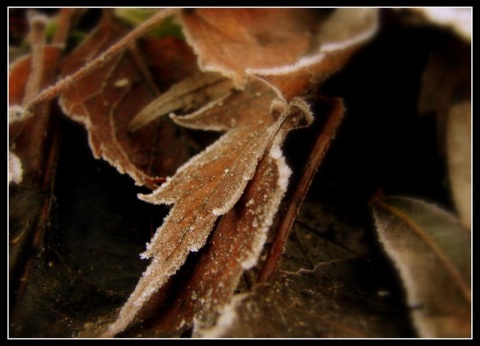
299,53
330,301
106,101
234,247
263,38
256,120
210,184
432,252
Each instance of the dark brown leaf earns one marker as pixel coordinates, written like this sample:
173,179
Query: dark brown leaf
331,301
105,102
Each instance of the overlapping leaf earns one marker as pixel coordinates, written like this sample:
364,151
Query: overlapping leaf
256,121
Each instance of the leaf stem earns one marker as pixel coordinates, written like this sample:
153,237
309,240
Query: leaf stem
316,157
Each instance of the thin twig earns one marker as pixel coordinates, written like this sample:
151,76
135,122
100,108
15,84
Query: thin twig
103,58
40,153
37,35
316,157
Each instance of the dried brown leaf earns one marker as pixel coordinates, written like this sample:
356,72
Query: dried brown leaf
234,247
212,182
291,49
263,38
432,252
256,120
331,301
106,101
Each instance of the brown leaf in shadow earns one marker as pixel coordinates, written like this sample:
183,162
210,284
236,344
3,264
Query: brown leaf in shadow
331,301
105,102
432,252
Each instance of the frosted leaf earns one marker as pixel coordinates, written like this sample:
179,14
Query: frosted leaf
242,177
204,188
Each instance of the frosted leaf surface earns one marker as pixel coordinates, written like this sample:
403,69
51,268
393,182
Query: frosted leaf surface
211,183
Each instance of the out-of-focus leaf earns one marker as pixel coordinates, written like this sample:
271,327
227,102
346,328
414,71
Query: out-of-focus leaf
432,252
459,143
33,144
137,16
221,36
446,93
14,168
458,19
335,300
338,38
301,52
106,101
